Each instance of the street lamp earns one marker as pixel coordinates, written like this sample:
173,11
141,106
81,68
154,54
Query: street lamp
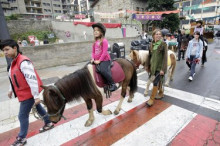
4,33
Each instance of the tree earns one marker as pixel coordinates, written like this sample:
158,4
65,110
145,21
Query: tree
169,21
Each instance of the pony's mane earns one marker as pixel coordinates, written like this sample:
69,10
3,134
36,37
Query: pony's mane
77,84
142,56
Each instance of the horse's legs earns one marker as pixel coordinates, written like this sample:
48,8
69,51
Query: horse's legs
98,101
131,96
168,77
123,93
91,115
150,80
91,119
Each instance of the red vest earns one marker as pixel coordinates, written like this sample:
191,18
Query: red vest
21,87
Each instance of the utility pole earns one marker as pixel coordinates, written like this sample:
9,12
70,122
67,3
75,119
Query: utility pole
4,33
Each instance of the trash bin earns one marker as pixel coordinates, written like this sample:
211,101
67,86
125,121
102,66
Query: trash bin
112,55
119,49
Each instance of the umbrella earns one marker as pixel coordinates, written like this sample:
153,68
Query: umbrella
164,31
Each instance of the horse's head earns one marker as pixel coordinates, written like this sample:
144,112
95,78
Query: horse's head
54,101
134,55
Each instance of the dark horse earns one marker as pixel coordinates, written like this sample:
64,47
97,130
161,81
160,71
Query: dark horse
81,84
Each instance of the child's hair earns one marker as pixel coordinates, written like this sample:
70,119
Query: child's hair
154,32
197,33
100,37
11,43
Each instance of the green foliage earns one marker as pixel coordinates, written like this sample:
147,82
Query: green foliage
39,34
170,21
12,17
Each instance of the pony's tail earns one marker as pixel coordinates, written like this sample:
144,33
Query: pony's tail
133,81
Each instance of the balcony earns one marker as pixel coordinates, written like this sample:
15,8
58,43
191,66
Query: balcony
33,6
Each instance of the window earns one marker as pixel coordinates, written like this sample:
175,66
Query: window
196,2
176,5
197,11
109,2
185,21
120,14
185,4
209,9
137,9
56,5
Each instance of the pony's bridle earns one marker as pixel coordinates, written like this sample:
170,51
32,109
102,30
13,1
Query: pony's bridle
58,113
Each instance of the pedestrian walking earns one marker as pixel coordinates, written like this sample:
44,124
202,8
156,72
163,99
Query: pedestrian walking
156,65
26,85
100,55
200,29
193,53
183,45
24,43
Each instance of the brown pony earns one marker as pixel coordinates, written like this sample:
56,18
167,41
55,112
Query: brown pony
140,57
81,84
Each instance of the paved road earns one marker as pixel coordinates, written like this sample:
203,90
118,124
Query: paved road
207,79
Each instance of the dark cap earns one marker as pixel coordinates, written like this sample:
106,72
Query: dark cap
199,21
169,34
101,26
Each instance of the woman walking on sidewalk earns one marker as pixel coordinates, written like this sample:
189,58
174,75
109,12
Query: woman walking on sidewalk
193,53
25,83
157,65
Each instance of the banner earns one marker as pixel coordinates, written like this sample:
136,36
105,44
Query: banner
146,17
154,13
107,25
123,32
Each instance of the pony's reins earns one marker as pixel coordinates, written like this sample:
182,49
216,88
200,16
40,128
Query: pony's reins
38,116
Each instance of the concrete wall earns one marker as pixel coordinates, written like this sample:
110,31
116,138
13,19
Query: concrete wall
21,26
66,53
76,32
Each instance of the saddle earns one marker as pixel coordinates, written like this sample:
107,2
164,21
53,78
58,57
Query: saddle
117,75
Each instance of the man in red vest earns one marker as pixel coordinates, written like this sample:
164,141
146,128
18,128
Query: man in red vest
26,85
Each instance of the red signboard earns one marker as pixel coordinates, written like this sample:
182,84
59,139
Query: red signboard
31,39
79,16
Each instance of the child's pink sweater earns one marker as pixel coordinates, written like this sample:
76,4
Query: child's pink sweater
100,52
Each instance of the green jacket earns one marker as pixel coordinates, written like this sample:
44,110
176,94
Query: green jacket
157,59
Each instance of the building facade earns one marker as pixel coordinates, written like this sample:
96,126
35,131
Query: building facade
192,10
44,8
114,11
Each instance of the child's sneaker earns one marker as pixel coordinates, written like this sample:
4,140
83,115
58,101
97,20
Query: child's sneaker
190,78
19,141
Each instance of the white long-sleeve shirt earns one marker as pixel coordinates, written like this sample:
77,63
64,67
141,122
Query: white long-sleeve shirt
27,69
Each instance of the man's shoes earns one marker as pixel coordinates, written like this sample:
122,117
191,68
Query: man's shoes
190,78
178,60
112,87
183,58
19,141
202,65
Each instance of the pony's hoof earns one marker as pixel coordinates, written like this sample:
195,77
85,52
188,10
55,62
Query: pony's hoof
167,85
116,112
145,94
171,79
129,100
106,112
88,123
